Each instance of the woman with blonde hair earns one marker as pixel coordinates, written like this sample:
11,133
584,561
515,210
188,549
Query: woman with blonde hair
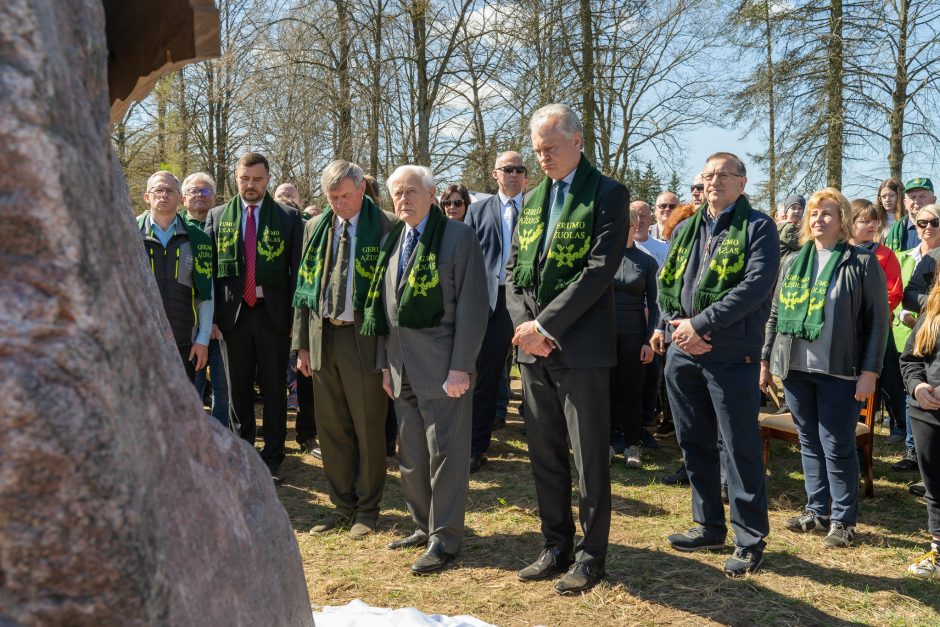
826,340
920,367
927,222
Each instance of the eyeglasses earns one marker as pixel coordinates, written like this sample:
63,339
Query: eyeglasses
698,188
204,192
667,205
163,191
455,203
923,224
509,169
718,176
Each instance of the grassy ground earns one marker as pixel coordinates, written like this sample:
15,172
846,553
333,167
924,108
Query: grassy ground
648,583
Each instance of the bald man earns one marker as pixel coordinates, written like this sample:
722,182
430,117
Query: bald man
666,202
494,220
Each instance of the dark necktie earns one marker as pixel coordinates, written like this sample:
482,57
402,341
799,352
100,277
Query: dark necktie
249,293
339,274
410,244
513,214
555,212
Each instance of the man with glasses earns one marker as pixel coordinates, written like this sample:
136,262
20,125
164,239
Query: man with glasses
714,294
198,198
180,257
666,202
698,190
494,221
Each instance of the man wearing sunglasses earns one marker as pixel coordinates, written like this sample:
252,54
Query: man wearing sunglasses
698,190
494,220
198,198
666,202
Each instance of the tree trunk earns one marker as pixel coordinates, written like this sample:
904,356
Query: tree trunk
899,94
376,91
419,19
771,111
835,136
344,95
587,78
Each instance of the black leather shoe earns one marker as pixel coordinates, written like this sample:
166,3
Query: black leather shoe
476,462
415,540
433,560
580,578
551,562
681,477
276,474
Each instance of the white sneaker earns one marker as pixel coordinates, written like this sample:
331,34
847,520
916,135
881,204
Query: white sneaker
927,566
632,457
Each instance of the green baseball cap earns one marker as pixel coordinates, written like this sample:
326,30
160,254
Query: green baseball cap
918,184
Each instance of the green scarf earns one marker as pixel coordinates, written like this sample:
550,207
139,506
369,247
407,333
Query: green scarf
800,309
366,253
270,262
422,301
201,245
725,270
572,238
894,239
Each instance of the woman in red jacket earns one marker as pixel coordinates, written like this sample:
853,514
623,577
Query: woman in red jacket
868,223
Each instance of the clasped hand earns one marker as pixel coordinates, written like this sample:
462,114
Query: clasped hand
528,338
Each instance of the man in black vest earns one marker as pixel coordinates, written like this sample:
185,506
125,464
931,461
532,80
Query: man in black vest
257,244
181,260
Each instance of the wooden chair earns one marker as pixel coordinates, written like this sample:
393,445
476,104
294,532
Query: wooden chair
782,427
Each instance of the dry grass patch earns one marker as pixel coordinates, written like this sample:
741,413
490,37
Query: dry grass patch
648,583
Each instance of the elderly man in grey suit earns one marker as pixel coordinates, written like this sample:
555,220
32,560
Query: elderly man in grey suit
341,248
568,244
494,220
428,298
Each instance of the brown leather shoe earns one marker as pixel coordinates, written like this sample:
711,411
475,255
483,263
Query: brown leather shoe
580,578
360,530
328,522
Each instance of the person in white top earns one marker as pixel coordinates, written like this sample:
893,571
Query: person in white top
652,246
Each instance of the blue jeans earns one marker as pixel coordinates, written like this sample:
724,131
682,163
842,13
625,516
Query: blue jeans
825,412
219,384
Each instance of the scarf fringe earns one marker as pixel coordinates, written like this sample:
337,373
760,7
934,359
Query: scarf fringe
802,331
523,276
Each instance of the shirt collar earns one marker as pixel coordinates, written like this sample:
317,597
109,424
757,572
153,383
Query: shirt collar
504,200
568,178
420,227
150,224
245,203
353,221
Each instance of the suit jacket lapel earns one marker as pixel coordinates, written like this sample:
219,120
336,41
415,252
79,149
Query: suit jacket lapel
495,206
391,273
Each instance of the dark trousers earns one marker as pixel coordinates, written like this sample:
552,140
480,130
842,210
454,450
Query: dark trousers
708,398
892,386
391,429
651,380
352,407
825,413
491,365
305,424
188,366
254,345
573,402
626,387
927,440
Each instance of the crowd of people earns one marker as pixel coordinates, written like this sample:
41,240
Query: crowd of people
399,327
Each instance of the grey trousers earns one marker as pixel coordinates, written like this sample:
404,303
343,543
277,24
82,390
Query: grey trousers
351,407
434,460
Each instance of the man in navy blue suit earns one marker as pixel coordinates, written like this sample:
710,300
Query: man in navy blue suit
494,220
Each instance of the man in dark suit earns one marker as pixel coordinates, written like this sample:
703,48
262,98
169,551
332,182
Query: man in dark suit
430,303
336,270
568,244
494,220
257,246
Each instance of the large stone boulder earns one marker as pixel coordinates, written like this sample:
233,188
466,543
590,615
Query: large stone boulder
121,502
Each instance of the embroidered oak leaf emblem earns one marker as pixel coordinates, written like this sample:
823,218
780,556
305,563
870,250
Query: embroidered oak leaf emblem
228,239
205,269
567,255
266,248
672,272
791,300
311,270
366,272
529,237
724,269
421,286
816,303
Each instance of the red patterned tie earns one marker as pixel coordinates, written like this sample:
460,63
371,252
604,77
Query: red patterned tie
251,249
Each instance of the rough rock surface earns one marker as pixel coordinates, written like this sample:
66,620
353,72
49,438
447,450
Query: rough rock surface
120,501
